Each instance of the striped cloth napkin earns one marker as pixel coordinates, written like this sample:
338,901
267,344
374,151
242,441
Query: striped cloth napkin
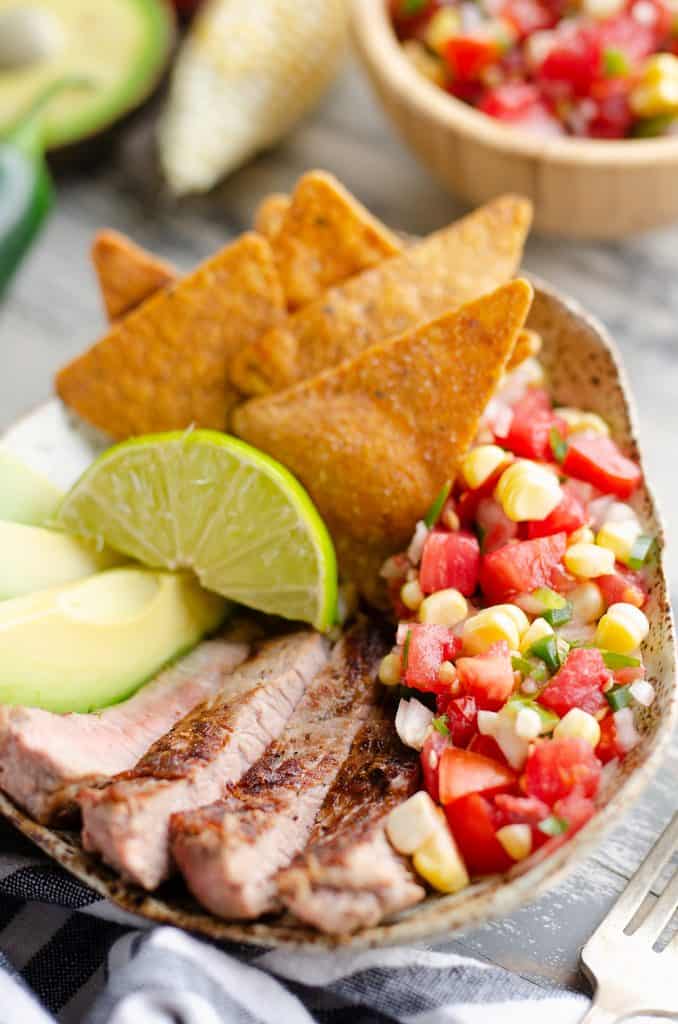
65,953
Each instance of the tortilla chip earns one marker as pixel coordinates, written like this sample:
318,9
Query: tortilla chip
165,366
270,214
528,343
374,439
326,237
453,266
128,274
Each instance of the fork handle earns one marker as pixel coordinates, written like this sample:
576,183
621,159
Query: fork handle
598,1014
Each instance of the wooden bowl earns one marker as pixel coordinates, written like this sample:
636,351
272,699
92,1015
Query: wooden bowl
581,188
584,370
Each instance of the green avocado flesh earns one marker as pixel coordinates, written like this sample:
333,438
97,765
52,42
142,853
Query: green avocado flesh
120,46
32,558
93,643
25,496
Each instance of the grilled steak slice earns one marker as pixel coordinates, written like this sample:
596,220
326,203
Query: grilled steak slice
127,821
45,758
230,853
349,876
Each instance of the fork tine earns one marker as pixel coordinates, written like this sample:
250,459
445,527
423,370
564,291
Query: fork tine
656,920
641,883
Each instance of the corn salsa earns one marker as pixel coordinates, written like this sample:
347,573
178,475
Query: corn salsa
600,69
520,604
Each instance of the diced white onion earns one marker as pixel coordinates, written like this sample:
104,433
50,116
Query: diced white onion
416,548
412,722
487,722
401,633
643,692
598,510
628,736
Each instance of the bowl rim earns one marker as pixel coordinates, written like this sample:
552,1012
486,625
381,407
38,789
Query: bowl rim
373,33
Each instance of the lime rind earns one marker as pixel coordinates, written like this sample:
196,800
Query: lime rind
209,502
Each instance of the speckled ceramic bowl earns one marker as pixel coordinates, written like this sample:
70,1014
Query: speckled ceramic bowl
585,370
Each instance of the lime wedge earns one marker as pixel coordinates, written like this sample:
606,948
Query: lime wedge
204,501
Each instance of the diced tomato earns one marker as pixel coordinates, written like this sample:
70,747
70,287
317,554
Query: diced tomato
624,585
530,432
573,63
428,648
462,717
494,526
567,517
469,55
488,677
626,676
488,747
450,560
474,822
608,746
522,567
555,768
612,114
578,684
521,810
599,461
528,16
463,772
625,34
510,101
434,745
576,810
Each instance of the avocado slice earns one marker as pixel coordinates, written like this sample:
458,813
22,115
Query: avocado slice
89,644
121,46
33,558
25,496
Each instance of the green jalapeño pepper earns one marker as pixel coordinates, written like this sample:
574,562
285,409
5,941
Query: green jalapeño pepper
26,192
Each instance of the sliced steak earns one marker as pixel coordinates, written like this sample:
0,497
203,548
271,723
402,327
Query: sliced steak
349,876
45,757
127,821
230,853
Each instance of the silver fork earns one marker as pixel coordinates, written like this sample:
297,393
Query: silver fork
627,976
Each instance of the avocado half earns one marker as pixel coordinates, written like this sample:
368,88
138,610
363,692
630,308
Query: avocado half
121,46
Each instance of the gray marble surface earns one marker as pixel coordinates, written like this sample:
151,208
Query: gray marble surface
53,311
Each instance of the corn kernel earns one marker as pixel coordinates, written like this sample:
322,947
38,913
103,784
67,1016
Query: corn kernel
578,724
528,724
528,491
447,673
411,595
517,614
516,840
426,63
622,628
539,629
577,420
588,560
409,825
619,537
444,24
439,862
449,518
445,608
657,90
488,627
587,602
390,670
584,535
480,463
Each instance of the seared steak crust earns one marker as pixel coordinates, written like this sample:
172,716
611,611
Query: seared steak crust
349,876
230,853
127,821
46,757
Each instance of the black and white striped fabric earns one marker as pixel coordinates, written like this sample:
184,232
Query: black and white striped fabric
68,955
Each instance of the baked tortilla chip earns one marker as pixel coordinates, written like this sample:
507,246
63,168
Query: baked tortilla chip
326,236
453,266
374,439
270,214
165,366
528,343
128,274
